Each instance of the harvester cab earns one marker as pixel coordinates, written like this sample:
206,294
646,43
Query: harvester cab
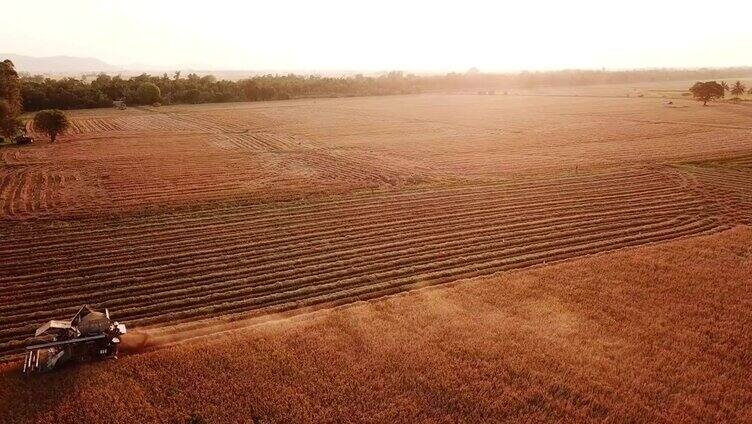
22,137
89,336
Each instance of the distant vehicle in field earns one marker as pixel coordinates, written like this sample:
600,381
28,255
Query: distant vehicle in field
20,137
119,104
23,139
89,336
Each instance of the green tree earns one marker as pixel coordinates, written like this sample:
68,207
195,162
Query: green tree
250,90
193,96
51,122
738,89
725,87
707,91
148,93
10,86
9,123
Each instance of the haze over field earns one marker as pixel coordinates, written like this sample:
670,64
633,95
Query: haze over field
415,36
421,212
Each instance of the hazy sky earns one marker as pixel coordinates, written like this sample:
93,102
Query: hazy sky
385,34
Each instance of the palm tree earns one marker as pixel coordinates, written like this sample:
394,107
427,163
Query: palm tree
725,86
738,89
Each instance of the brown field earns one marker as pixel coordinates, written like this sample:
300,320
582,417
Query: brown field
189,216
649,334
172,158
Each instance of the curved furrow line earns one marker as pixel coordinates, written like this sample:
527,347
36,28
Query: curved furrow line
371,267
174,219
195,274
378,201
206,218
371,292
335,297
166,281
442,250
299,246
615,239
242,234
268,241
250,259
332,220
409,223
594,245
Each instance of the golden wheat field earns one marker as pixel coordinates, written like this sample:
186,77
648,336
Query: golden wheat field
188,219
653,334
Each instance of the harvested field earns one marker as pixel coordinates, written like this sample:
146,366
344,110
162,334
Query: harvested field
149,160
261,141
727,181
177,214
33,191
84,126
192,265
656,334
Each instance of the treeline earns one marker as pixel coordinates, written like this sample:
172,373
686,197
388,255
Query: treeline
576,77
69,93
10,100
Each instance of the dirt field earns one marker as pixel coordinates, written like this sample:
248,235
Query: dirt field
173,214
648,334
192,216
119,162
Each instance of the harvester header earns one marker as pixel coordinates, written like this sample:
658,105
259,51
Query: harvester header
89,336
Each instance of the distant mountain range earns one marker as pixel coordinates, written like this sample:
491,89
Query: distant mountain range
71,66
57,64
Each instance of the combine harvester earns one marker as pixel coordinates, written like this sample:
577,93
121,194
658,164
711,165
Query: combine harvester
89,336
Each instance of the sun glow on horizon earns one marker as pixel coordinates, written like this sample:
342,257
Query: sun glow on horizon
372,36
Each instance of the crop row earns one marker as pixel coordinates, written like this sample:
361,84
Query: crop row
265,221
730,190
225,261
260,141
514,193
358,281
167,247
32,190
195,265
83,126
